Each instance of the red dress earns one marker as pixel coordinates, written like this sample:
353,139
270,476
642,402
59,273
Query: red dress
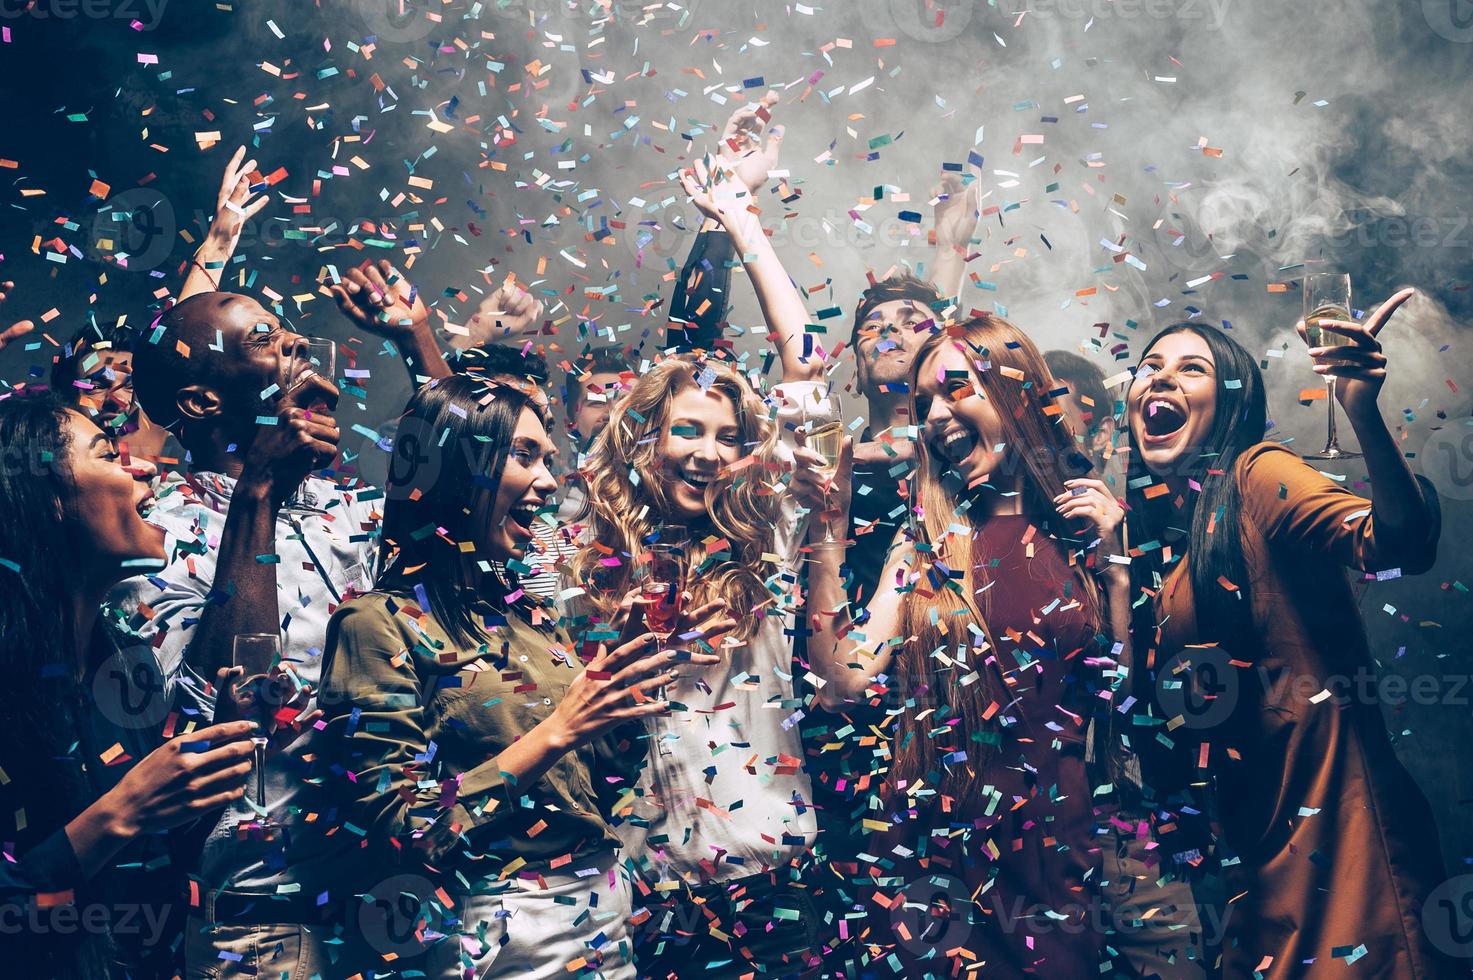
1024,846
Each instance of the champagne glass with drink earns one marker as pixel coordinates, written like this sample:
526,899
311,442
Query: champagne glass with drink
1327,297
828,441
663,586
662,596
256,654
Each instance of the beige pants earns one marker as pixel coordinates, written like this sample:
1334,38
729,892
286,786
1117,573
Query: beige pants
520,929
260,952
1157,926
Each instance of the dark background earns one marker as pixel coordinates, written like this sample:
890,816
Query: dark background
1197,149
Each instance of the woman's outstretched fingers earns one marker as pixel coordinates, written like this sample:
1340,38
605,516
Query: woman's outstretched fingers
1386,309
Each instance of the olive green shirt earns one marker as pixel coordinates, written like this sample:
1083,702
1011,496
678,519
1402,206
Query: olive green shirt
414,725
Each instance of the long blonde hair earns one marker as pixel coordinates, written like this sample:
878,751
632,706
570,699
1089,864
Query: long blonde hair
941,612
628,498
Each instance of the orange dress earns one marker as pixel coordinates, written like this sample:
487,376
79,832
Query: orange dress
1331,848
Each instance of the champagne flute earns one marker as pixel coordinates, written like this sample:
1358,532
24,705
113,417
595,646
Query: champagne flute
663,588
828,441
256,654
1327,297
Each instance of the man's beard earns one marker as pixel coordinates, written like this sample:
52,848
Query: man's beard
887,369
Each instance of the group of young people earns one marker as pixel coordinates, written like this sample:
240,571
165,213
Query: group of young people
912,710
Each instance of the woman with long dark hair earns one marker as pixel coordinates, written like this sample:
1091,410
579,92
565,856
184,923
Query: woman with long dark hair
1327,846
89,784
986,634
478,753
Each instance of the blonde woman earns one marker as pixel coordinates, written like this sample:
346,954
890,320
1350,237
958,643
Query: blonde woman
988,628
722,814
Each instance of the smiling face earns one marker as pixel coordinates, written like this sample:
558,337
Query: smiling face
700,438
109,501
525,487
887,343
961,427
1172,403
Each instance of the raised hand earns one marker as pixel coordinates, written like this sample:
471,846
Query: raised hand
956,200
1359,366
506,313
235,205
18,329
741,150
1091,500
956,204
716,191
824,490
378,298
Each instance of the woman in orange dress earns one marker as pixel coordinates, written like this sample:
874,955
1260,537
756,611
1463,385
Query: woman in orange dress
1327,846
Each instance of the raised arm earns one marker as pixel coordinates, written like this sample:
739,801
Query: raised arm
234,206
719,195
1400,506
845,659
243,593
380,299
698,306
505,315
955,200
717,187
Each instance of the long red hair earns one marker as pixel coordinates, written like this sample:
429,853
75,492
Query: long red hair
941,614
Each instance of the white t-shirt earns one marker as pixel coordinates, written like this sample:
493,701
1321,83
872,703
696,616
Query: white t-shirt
326,541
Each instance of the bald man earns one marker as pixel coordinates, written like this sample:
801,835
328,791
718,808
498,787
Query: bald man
257,544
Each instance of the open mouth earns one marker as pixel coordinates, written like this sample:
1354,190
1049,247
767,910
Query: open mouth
697,482
520,517
955,445
1162,419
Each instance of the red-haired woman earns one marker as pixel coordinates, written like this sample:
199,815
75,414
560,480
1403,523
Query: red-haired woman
987,631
